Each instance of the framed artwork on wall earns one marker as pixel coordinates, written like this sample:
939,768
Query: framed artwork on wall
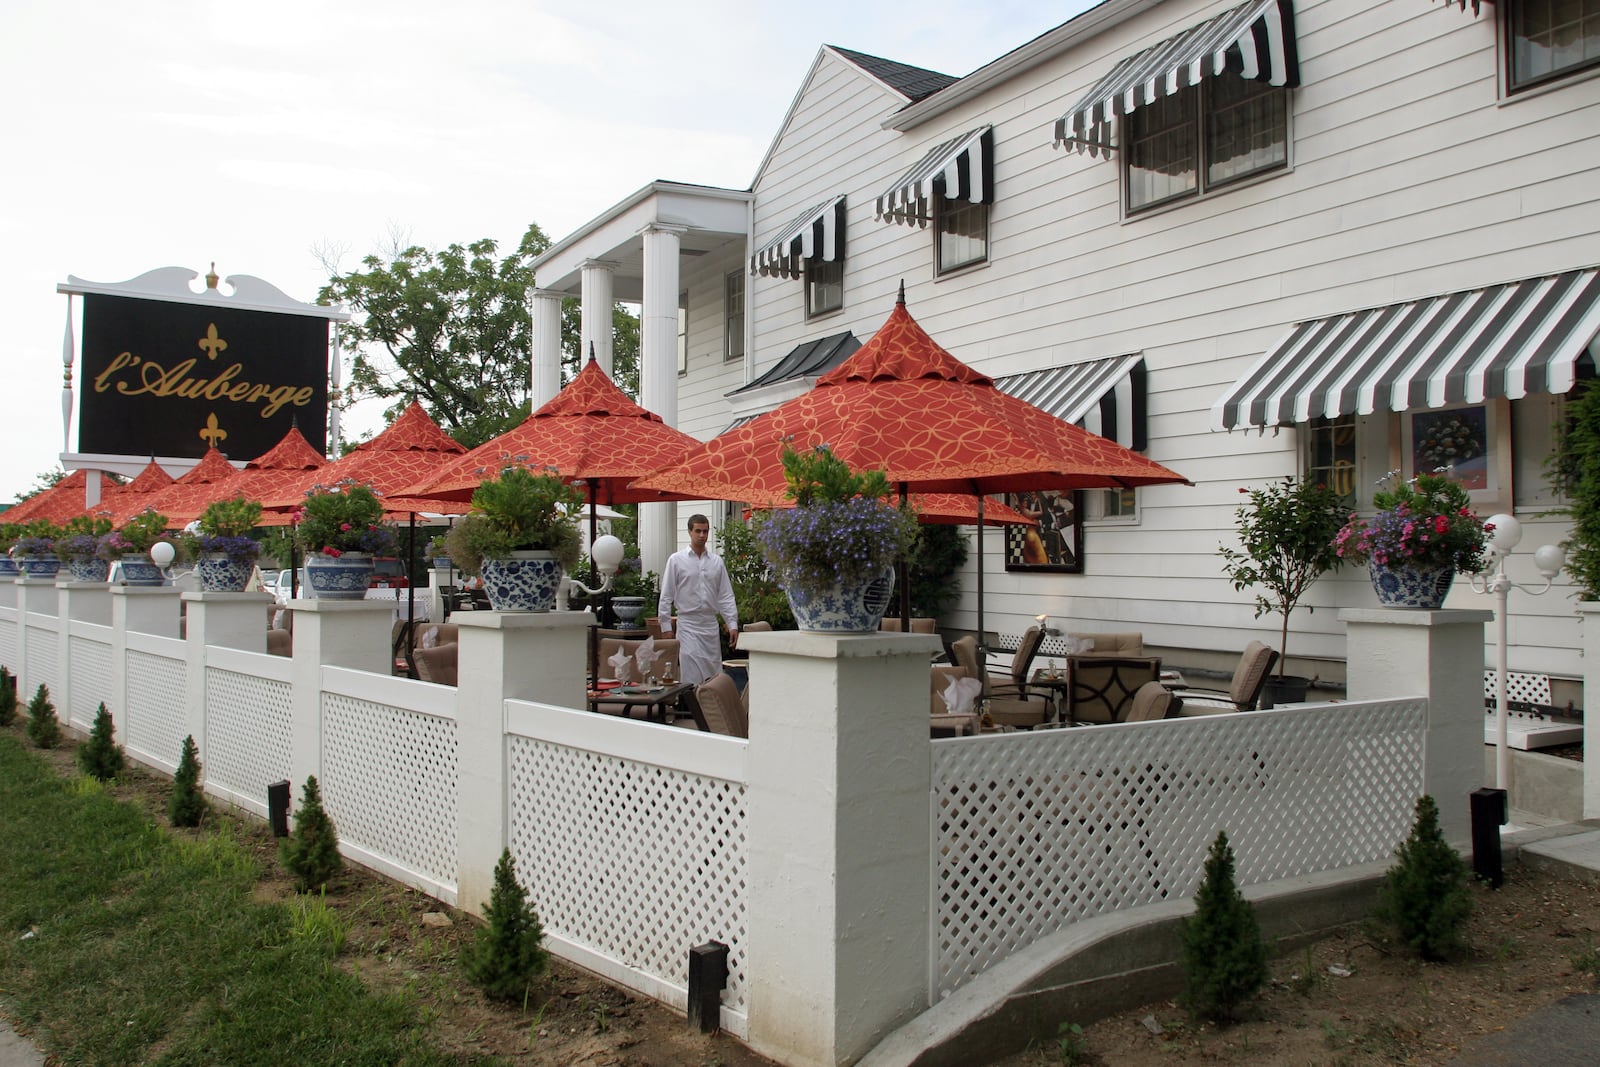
1056,544
1471,441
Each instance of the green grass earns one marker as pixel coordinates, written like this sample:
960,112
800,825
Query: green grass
149,948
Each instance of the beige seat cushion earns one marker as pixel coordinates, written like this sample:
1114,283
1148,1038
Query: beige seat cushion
920,624
1153,701
1101,688
437,664
721,707
1130,643
280,642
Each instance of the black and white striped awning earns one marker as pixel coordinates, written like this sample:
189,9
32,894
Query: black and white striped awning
1104,396
961,168
1506,340
1255,41
818,233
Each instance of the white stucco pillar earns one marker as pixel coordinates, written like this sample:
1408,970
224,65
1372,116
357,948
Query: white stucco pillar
1399,652
839,831
658,373
544,305
599,285
38,597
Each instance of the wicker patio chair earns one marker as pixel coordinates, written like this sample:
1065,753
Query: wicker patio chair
1100,689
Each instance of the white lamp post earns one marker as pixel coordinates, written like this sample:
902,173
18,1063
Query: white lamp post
1549,559
162,554
607,552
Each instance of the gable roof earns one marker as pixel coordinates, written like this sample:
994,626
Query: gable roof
913,83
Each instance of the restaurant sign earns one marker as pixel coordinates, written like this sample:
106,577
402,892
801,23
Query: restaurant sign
169,378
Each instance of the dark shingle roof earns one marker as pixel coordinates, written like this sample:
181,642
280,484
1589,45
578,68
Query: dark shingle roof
914,82
809,358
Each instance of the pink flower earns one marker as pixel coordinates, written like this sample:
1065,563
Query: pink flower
331,551
344,526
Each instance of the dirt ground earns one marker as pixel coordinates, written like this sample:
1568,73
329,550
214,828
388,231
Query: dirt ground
1348,999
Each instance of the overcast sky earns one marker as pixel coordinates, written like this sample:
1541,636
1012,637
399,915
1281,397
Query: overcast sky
144,135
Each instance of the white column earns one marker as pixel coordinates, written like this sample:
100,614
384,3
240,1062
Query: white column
328,633
658,374
1400,652
541,656
1589,617
35,596
599,283
839,949
544,305
227,620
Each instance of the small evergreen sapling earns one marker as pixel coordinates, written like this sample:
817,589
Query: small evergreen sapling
1223,957
44,729
311,853
1425,895
509,952
8,697
101,756
187,805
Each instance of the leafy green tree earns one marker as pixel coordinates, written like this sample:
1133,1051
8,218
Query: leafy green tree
311,852
451,328
1223,956
101,756
1424,896
940,552
1573,470
42,481
187,804
8,697
44,729
509,951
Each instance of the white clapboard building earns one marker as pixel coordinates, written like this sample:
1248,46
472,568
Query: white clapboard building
1251,240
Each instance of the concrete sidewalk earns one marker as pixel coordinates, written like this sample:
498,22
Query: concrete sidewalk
16,1051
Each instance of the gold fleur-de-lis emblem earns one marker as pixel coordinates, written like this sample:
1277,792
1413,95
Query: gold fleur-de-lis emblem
213,433
211,344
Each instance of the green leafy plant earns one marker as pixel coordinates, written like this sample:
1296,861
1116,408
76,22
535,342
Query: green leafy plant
44,729
101,757
311,852
840,531
1573,471
1587,961
224,528
347,517
1223,957
755,586
1427,521
136,535
187,804
1070,1045
935,559
1425,897
8,697
518,511
1286,542
509,951
80,538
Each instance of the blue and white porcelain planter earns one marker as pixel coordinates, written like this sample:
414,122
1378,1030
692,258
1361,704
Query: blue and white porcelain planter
8,567
1407,586
46,566
343,577
139,569
220,574
88,570
528,581
841,609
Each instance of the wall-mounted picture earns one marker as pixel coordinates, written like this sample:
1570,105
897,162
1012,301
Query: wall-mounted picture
1056,544
1470,440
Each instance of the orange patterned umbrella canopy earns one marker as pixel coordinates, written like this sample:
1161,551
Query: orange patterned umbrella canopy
286,463
410,449
904,405
590,432
61,501
956,509
126,501
190,494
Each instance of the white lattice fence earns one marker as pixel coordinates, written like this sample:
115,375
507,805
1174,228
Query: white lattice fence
248,713
1035,831
90,663
44,656
154,722
390,775
8,640
633,842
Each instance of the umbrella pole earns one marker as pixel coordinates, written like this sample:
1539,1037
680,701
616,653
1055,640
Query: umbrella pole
411,596
903,565
983,648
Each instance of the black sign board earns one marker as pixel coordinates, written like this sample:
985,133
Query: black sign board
170,379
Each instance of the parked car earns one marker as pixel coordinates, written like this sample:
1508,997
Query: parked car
279,586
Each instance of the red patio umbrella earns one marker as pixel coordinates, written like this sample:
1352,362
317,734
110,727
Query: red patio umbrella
190,494
955,509
904,405
126,501
60,502
408,450
266,476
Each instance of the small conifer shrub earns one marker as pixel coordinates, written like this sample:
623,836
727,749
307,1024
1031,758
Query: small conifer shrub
1425,897
311,852
509,951
101,756
1224,959
8,697
44,729
187,805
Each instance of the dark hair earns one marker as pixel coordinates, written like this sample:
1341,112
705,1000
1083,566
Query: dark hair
697,518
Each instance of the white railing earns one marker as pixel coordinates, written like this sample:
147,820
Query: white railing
89,651
248,702
154,717
43,653
1033,832
8,639
633,840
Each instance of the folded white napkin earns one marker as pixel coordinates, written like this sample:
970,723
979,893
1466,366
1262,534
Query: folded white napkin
621,664
430,637
960,695
646,654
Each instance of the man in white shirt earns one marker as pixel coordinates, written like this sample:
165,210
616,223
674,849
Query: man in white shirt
696,582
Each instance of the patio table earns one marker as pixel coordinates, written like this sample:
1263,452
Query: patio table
661,703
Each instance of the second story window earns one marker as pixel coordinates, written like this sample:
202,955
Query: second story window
824,286
733,329
1547,39
961,234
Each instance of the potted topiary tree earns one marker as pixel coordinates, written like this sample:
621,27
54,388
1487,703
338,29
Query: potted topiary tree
224,552
340,529
520,535
1286,535
130,546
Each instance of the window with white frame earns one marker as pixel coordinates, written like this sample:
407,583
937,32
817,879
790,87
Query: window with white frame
824,286
961,233
683,333
1202,138
1111,505
1548,39
1330,457
733,311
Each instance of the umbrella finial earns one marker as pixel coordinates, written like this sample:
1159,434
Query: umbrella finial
900,301
592,357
